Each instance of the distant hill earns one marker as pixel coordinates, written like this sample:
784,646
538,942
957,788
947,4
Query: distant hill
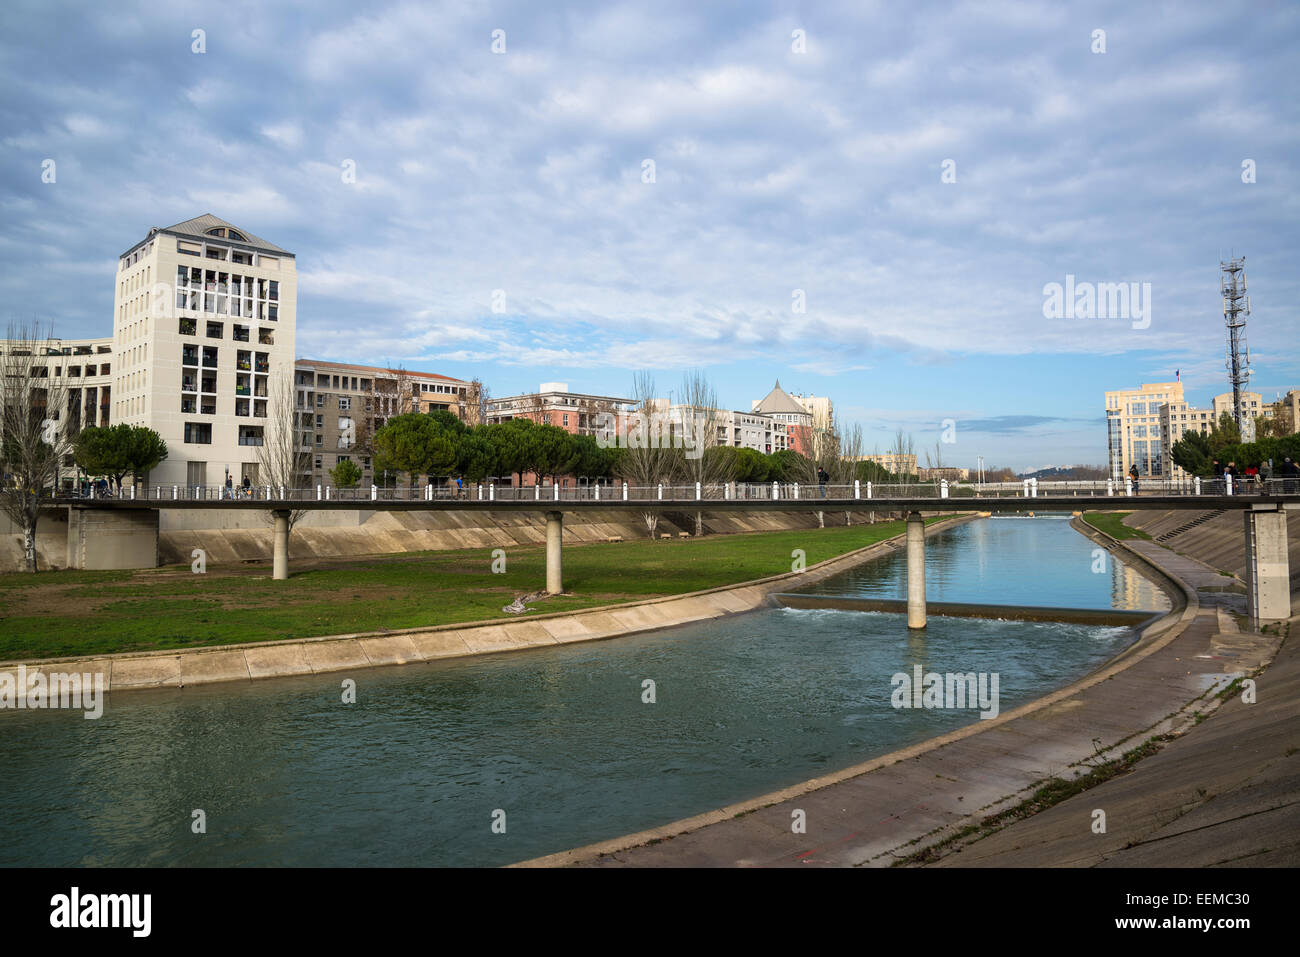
1069,473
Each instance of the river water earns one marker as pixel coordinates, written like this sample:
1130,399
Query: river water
559,743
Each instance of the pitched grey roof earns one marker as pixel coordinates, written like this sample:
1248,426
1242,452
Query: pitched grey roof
778,400
198,227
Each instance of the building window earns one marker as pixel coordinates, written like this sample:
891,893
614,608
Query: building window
345,403
198,433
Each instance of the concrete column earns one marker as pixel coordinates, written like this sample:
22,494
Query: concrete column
280,561
1268,592
915,570
554,558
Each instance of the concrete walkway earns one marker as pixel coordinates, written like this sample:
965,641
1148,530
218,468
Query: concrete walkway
884,810
1226,794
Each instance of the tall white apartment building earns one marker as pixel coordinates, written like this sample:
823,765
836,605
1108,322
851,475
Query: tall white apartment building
204,314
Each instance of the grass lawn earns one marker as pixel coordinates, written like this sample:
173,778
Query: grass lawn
82,613
1112,523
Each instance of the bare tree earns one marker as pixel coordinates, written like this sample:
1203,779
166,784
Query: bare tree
473,404
937,461
846,462
904,453
34,432
698,404
647,461
281,461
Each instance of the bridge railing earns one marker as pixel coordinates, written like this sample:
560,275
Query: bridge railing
836,493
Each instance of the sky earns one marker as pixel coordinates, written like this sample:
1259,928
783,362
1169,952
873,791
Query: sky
862,200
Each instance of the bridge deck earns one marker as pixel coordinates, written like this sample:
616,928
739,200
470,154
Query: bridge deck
1042,503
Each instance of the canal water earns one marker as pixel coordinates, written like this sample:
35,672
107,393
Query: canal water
560,743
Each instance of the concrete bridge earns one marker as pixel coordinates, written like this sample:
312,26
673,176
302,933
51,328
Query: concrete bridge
123,532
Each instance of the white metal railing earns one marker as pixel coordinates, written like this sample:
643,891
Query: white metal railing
837,494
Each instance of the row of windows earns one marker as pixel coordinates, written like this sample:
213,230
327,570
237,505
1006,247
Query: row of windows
206,404
189,326
200,433
245,359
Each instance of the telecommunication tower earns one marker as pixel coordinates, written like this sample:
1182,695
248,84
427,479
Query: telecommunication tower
1236,307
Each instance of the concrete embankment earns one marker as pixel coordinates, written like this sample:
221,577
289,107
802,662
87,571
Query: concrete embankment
886,809
344,652
231,537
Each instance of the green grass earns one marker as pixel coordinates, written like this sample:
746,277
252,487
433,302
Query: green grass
1112,523
84,613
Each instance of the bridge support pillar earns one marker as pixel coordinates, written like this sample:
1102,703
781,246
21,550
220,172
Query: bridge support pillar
915,570
280,550
1268,587
554,557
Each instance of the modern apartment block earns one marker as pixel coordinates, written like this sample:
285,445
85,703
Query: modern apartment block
338,408
1133,431
554,404
204,316
752,430
83,372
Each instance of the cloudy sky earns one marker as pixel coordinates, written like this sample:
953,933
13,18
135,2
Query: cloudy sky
863,200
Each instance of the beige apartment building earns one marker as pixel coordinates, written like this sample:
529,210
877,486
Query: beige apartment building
1143,424
204,317
1286,413
892,462
1179,418
339,406
1133,432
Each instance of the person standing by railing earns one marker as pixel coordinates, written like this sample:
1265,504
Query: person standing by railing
1290,473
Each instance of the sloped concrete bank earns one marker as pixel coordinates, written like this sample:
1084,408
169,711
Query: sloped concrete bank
272,659
233,537
882,810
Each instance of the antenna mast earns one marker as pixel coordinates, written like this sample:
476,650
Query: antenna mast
1236,307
